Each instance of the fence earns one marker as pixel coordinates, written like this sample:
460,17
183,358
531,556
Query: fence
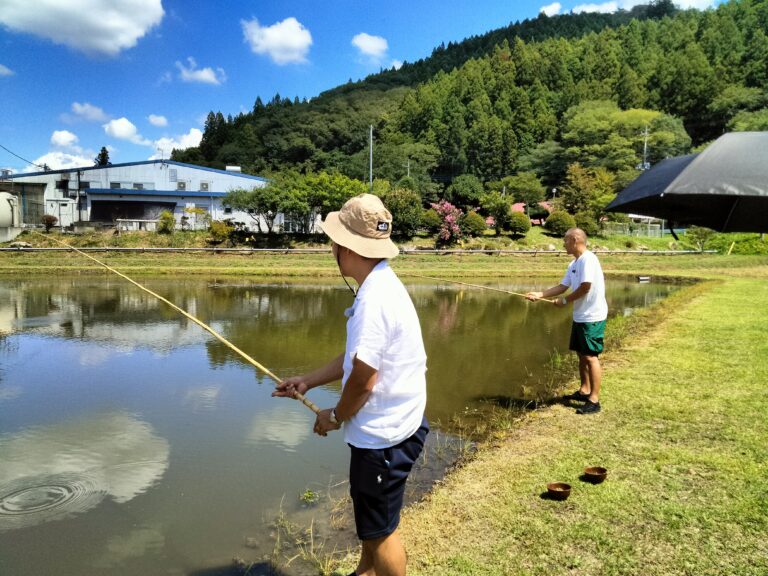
633,229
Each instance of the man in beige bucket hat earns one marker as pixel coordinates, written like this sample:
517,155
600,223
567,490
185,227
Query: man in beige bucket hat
382,370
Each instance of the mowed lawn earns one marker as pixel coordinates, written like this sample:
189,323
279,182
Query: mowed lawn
683,433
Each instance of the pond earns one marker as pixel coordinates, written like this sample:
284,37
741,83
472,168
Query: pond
132,442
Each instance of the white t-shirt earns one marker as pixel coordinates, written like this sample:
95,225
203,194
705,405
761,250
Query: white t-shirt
592,307
383,331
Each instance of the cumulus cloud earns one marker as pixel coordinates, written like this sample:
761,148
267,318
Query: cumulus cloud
165,146
286,42
58,160
63,139
396,64
5,71
551,9
84,112
156,120
124,129
374,47
98,27
203,75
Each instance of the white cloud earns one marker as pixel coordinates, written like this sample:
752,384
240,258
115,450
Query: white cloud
85,112
5,71
63,139
92,26
374,47
156,120
166,78
396,64
604,7
166,145
124,129
551,9
59,161
202,75
699,4
286,42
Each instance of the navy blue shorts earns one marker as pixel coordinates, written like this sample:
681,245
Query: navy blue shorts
377,483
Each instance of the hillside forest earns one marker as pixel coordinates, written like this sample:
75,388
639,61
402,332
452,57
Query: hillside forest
568,108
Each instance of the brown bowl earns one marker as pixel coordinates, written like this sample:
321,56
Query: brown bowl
595,474
558,490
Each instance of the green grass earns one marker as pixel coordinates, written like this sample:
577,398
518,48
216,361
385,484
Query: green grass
682,433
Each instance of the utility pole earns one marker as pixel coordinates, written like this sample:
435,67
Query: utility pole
370,158
645,164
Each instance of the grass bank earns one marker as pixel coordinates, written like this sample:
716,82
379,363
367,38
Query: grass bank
683,434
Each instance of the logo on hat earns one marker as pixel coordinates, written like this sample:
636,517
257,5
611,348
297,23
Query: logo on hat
382,226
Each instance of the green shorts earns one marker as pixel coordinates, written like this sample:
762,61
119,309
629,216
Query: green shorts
587,337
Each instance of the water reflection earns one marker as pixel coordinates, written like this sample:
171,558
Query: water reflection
284,425
98,381
52,472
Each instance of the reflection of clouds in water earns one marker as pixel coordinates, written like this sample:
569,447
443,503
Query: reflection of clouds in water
204,398
51,472
93,356
284,425
136,544
9,392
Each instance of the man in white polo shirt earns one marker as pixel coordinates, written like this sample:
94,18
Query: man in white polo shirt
584,277
382,370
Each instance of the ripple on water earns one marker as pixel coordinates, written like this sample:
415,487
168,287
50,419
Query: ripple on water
30,501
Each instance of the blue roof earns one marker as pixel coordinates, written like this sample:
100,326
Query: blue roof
168,162
134,192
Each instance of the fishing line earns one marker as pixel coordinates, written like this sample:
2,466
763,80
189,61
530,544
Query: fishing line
474,286
297,395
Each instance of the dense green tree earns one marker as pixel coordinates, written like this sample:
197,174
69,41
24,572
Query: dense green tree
465,191
499,207
524,187
103,158
405,206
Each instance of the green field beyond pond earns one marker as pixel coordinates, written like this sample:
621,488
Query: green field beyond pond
682,432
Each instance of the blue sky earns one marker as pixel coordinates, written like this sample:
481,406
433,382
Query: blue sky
139,76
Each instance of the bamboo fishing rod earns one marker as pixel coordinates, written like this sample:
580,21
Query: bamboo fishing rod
297,395
475,286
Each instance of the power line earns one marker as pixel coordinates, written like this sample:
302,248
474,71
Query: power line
43,167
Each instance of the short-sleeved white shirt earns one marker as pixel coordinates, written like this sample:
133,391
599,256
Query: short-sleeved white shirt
383,331
592,307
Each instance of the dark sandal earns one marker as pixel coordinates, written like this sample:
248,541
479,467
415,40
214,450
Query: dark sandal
589,408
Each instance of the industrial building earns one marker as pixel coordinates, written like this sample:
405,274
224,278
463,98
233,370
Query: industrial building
130,195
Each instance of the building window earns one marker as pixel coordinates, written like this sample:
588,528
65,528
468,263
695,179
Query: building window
114,185
62,184
172,175
227,210
181,185
138,186
85,185
203,186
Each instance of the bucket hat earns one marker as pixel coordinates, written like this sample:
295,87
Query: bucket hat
364,226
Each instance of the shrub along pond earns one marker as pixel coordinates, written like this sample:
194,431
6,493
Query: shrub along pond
132,442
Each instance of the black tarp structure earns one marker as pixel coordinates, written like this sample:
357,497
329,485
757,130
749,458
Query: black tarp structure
725,187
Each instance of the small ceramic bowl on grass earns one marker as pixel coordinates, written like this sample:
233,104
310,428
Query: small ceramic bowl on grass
595,474
558,490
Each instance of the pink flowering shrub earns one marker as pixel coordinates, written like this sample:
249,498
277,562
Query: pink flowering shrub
450,231
490,221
